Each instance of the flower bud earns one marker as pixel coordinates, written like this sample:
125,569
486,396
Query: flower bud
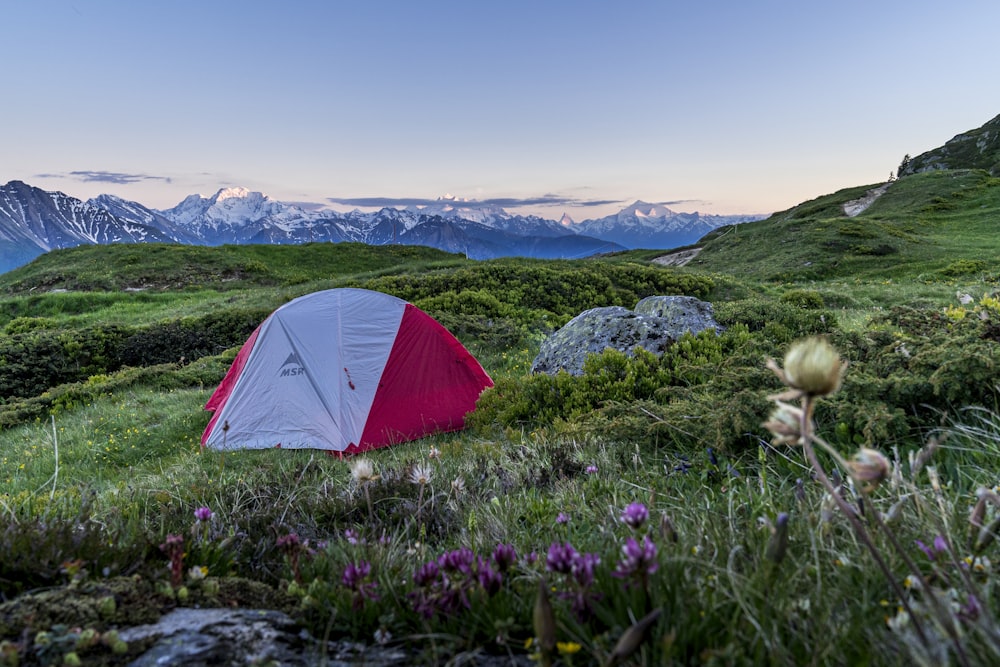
813,367
632,638
778,544
785,424
869,468
544,619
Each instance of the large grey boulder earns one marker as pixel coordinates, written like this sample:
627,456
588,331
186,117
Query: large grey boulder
654,325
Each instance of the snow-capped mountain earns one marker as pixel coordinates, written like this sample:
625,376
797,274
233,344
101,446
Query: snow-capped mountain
130,210
644,225
33,221
490,215
237,215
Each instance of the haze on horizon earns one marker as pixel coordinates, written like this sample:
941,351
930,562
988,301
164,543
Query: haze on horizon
567,106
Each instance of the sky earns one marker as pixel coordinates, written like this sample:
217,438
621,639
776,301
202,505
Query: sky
544,106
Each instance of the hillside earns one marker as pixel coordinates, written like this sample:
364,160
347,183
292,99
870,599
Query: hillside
975,149
931,226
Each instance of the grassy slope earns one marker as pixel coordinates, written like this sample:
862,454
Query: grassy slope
914,232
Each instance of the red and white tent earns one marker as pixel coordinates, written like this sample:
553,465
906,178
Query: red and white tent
345,370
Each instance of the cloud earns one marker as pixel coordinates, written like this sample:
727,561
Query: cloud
503,202
114,177
678,202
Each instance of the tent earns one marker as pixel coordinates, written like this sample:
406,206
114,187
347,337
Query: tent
345,370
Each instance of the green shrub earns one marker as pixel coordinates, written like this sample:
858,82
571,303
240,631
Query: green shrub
964,267
25,324
189,338
803,298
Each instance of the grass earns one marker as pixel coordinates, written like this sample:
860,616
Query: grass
753,563
913,232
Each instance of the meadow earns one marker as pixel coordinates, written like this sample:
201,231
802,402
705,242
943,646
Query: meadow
655,510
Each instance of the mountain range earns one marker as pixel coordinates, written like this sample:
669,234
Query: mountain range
34,221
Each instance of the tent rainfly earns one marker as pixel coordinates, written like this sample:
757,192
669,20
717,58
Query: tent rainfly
345,370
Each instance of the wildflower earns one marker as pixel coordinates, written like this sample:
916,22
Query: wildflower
459,560
203,514
420,475
591,470
489,579
197,573
785,424
458,486
356,578
562,518
504,556
567,648
352,537
812,366
582,568
635,515
434,453
938,546
869,468
363,471
971,609
639,559
560,558
426,574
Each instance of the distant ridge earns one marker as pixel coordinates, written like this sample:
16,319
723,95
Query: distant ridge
34,221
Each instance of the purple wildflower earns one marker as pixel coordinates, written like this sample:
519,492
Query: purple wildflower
591,470
459,560
203,514
938,546
578,569
635,515
356,578
639,560
971,609
504,556
583,568
562,518
488,578
426,575
444,586
352,537
561,558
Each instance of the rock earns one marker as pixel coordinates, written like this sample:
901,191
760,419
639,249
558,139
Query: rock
654,325
221,637
240,637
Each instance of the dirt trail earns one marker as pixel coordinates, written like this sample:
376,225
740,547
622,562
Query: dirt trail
677,258
858,206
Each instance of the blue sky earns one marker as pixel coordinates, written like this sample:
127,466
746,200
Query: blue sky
721,106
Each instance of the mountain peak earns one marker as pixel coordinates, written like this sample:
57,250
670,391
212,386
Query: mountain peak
641,209
238,193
